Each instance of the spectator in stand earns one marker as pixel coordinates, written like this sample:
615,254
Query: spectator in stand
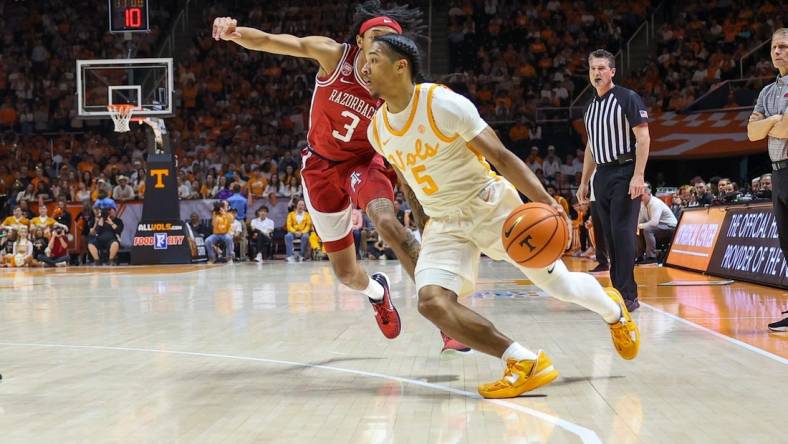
81,193
198,227
755,186
765,191
262,234
533,160
222,222
299,224
28,195
551,164
656,222
702,195
238,202
8,115
62,216
273,186
519,134
123,191
104,201
256,185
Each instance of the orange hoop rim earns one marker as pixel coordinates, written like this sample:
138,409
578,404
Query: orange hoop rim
121,106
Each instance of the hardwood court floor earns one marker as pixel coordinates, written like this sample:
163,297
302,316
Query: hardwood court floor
279,353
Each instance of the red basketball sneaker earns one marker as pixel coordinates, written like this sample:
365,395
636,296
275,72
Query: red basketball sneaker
385,313
452,345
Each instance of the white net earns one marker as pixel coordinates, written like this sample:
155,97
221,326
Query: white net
121,114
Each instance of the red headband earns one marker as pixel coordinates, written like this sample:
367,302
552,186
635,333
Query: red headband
380,21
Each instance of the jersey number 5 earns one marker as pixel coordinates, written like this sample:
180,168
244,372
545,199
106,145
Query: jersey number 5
349,128
430,186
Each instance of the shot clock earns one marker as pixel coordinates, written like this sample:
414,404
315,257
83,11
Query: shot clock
128,16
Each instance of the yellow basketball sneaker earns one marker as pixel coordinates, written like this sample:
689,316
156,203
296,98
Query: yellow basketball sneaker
520,377
625,333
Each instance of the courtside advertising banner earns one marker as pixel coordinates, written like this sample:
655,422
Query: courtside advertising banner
695,237
748,248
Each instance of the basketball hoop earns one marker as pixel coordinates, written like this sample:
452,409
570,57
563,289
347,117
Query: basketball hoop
121,114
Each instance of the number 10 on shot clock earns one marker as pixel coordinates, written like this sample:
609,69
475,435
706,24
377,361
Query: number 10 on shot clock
128,16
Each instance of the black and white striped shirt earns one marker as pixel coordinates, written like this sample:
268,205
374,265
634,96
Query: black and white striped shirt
609,121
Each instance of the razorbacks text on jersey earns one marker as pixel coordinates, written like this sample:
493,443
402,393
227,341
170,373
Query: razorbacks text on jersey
341,111
428,143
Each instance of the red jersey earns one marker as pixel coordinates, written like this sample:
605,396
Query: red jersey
341,111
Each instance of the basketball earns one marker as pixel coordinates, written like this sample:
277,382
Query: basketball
535,235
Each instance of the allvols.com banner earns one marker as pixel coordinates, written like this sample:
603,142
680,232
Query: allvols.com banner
736,242
706,134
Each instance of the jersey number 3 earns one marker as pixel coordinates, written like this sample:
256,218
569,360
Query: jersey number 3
349,128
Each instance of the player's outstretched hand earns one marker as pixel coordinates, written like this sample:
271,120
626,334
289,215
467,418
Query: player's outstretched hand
224,28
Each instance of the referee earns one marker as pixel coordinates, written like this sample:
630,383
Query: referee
770,119
618,142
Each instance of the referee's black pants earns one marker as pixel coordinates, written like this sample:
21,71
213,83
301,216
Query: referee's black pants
618,215
780,206
601,247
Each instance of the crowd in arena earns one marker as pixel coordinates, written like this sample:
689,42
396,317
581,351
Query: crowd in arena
703,47
242,115
516,56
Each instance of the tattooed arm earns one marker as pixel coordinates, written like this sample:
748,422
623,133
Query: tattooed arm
416,209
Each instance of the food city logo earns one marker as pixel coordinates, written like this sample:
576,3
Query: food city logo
159,241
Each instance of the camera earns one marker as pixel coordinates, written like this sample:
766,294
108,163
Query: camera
104,213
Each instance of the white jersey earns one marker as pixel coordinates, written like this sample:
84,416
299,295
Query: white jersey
428,143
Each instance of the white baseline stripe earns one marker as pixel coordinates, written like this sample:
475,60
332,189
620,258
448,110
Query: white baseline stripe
585,435
749,347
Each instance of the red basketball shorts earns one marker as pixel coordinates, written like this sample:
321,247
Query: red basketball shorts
333,189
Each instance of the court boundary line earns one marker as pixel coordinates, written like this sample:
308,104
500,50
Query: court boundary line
734,341
586,435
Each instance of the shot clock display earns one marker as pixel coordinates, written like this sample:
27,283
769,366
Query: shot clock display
128,16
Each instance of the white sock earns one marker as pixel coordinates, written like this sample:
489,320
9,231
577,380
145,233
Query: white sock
579,288
374,290
518,353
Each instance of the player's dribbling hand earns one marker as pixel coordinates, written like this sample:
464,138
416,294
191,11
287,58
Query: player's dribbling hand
224,28
557,207
582,193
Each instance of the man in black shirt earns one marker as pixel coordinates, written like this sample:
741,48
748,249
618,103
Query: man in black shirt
105,236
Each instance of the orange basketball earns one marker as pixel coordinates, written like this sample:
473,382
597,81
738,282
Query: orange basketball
535,235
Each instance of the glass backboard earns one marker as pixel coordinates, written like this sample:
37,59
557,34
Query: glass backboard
145,83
